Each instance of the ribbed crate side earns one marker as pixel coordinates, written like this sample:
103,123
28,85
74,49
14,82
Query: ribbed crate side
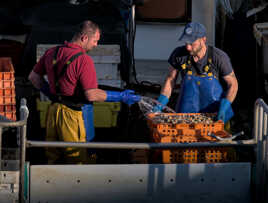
9,115
7,84
200,155
7,75
193,129
7,92
7,100
7,108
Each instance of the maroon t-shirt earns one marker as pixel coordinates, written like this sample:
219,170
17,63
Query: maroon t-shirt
79,76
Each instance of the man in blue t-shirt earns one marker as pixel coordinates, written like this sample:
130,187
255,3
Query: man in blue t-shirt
208,83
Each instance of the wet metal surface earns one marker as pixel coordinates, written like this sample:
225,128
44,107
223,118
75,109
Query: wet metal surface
141,183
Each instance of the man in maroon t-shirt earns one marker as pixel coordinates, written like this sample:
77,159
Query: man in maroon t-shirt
72,88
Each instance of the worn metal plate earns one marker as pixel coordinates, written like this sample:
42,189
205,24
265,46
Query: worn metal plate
222,182
8,197
9,177
112,83
107,71
10,165
9,186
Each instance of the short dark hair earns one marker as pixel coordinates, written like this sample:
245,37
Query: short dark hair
87,27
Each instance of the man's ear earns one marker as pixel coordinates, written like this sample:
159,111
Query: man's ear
84,38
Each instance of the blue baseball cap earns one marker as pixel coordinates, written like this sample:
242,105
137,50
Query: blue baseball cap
192,31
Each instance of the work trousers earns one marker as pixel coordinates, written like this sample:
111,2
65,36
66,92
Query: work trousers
65,124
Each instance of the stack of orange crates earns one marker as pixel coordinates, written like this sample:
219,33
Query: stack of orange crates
188,133
7,89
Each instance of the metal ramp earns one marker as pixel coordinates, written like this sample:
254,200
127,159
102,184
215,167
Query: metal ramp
138,183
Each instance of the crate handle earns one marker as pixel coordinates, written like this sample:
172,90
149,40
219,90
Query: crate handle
227,138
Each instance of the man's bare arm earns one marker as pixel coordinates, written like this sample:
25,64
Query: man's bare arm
36,80
169,82
232,85
96,95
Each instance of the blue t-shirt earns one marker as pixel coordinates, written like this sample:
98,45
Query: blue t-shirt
221,64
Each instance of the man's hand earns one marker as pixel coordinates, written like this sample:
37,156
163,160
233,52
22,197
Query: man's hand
225,112
163,100
129,97
158,108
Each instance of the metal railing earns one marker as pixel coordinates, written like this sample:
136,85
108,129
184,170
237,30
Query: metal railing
259,142
260,131
21,126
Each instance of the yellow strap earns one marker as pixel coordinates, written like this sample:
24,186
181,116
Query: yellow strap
206,68
210,74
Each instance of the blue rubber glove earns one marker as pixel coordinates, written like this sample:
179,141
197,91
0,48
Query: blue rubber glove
225,111
45,89
163,100
126,96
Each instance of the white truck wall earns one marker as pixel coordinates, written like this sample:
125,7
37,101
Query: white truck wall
156,41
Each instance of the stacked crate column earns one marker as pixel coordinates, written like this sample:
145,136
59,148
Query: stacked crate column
7,89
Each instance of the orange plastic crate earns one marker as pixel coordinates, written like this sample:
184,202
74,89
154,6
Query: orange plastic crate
194,155
7,84
186,135
7,92
7,76
199,155
5,100
7,108
188,129
9,115
189,133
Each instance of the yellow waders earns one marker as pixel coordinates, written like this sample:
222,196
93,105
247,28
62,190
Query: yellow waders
227,127
65,124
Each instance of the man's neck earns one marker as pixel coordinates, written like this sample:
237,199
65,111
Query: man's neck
77,42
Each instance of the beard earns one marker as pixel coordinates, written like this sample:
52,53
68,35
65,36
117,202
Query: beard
196,51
